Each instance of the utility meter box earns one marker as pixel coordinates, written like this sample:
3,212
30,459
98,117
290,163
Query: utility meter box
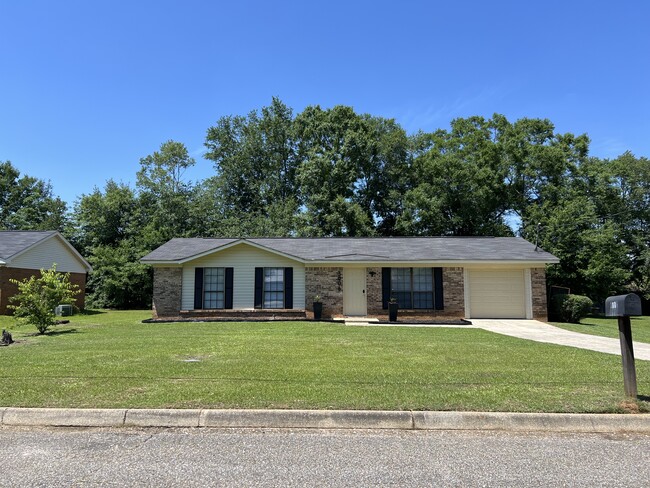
623,305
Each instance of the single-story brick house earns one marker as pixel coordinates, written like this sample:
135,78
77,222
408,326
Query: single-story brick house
471,277
24,253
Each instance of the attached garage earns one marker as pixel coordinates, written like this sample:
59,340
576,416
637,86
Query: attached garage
497,293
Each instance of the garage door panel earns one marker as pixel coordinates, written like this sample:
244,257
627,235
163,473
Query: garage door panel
497,294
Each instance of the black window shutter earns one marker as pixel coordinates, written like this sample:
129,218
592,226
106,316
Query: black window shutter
385,287
438,299
259,283
288,287
198,288
228,290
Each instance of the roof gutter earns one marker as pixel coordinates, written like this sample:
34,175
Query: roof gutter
446,262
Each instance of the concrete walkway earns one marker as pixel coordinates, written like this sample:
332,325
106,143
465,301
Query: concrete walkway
538,331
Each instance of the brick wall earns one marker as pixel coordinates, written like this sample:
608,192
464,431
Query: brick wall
538,289
167,292
453,286
328,284
8,289
373,289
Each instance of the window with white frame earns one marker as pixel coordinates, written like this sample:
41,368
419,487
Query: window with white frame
214,288
273,288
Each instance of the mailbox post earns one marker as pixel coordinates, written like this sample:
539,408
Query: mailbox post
623,306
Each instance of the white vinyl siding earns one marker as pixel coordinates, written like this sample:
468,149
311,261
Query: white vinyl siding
497,294
48,252
243,258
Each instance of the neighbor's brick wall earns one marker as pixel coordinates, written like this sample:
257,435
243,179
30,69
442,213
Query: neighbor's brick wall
167,292
8,289
538,289
328,284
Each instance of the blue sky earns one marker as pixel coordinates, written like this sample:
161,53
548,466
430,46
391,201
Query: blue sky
87,88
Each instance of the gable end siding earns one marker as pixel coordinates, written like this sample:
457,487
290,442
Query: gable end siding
46,253
243,259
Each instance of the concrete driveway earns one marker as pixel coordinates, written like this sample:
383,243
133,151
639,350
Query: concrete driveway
541,332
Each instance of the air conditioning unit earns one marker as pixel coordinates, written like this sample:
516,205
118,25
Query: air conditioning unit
63,310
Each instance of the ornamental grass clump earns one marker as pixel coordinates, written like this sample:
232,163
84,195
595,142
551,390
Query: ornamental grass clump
37,298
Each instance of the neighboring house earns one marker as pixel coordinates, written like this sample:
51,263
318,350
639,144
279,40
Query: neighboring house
24,253
472,277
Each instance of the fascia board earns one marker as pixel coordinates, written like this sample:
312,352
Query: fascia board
445,263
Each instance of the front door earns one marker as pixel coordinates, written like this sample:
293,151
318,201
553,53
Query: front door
354,291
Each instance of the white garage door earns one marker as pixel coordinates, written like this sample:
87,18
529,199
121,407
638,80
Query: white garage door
497,294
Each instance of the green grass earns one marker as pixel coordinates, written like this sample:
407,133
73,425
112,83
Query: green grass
111,359
608,327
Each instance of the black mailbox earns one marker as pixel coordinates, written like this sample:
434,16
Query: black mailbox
622,305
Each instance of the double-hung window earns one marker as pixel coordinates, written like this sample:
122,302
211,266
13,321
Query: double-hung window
214,288
273,287
412,287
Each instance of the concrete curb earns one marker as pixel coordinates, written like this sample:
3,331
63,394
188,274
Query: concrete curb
64,417
326,419
308,419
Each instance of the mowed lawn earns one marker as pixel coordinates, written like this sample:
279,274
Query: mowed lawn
111,359
608,327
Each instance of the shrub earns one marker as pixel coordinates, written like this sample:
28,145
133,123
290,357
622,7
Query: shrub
38,297
570,308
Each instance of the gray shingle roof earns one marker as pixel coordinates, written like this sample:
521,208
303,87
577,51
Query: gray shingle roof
372,249
14,241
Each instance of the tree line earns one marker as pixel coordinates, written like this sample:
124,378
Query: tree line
334,172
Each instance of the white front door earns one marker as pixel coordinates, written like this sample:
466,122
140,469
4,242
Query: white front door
354,291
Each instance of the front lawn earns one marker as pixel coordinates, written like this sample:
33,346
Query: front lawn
608,327
111,359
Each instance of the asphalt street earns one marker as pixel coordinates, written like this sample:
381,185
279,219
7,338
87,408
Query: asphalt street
256,457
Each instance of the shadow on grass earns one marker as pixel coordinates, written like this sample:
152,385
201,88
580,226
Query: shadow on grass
92,312
59,332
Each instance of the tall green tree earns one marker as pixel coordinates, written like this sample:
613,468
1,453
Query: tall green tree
460,182
110,232
353,172
105,218
27,203
165,197
255,163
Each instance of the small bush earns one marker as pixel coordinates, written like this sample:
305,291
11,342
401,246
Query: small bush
570,308
37,298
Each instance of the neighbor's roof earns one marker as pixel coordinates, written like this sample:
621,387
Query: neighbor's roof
15,242
368,249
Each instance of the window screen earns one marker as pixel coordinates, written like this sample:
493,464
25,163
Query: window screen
273,287
214,284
